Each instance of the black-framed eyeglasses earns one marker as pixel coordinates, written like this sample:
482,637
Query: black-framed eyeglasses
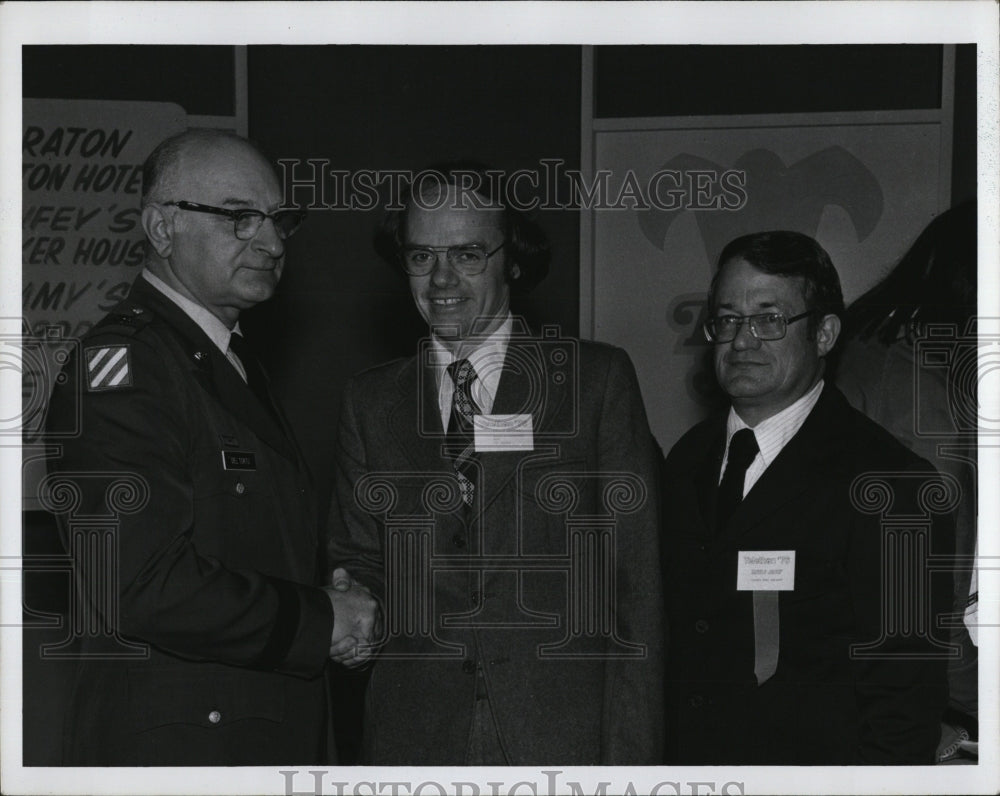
766,326
469,259
247,222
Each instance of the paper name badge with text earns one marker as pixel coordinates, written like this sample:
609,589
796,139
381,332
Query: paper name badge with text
503,433
765,570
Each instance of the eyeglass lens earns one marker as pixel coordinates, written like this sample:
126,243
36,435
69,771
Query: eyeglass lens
769,326
249,222
471,259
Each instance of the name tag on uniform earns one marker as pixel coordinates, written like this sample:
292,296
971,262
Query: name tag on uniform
239,460
765,570
503,433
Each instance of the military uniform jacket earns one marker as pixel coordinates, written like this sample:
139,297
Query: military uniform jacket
861,668
208,637
547,592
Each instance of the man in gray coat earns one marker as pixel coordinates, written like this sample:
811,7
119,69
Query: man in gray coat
498,493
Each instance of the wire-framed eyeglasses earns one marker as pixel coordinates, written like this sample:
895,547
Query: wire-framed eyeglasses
765,326
247,222
469,259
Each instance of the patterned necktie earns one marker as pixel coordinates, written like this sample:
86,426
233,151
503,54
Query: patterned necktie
460,426
742,451
256,379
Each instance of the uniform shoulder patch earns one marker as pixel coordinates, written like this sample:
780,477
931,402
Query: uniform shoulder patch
108,367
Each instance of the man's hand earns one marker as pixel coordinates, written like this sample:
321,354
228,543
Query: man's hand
355,620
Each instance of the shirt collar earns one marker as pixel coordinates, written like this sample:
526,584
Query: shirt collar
776,431
216,330
487,358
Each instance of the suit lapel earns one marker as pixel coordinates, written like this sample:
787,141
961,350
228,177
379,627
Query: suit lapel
213,371
706,473
795,469
525,387
414,417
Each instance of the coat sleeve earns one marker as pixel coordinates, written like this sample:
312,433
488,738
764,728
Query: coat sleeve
633,721
164,590
900,668
355,535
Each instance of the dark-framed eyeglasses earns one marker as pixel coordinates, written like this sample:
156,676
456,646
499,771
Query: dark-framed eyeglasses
766,326
469,259
247,222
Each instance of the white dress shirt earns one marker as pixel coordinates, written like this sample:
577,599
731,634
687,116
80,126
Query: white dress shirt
772,434
487,359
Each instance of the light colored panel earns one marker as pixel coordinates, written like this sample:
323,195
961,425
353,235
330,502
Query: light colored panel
864,191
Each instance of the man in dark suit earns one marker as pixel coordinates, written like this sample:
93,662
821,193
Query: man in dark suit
798,538
203,631
498,493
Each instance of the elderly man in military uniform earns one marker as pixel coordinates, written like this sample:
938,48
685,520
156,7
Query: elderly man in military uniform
216,628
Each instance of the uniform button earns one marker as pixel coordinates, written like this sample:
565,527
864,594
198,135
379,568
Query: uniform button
469,667
240,488
474,598
215,717
458,541
701,626
696,701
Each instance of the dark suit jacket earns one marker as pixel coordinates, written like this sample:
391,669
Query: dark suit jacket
213,563
823,705
559,694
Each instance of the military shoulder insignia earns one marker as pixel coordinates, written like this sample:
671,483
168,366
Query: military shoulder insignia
125,321
108,367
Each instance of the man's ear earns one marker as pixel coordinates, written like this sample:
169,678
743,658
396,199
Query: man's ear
159,230
826,334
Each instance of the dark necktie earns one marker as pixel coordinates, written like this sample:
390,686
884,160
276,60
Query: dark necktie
742,451
460,426
256,380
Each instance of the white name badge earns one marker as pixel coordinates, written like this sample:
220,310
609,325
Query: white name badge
765,570
503,433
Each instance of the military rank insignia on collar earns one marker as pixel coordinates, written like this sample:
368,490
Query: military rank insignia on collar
108,367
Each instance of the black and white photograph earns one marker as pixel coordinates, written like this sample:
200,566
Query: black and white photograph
499,398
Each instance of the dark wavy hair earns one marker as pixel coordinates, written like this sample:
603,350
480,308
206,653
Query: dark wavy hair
526,244
934,282
789,254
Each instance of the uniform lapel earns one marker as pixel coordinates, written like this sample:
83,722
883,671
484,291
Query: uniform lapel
213,371
239,398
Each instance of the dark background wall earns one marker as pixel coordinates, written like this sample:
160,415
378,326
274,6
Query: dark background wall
340,309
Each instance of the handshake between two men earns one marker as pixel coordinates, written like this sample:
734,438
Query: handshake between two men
357,621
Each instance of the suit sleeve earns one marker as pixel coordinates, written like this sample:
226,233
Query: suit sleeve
900,671
164,590
355,536
633,721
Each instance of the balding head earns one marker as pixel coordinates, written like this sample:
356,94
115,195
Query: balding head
164,169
